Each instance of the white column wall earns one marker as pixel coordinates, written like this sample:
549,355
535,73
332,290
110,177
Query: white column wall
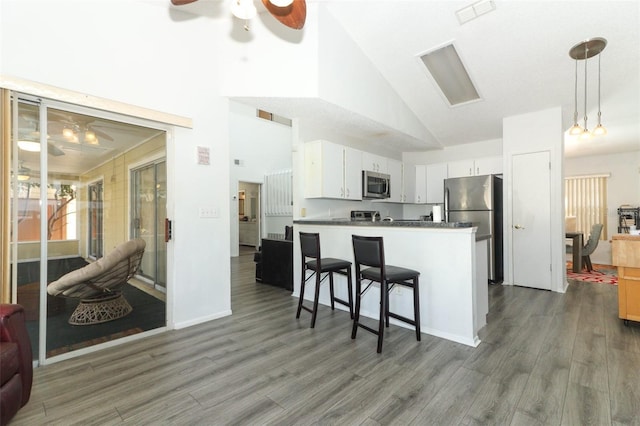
534,132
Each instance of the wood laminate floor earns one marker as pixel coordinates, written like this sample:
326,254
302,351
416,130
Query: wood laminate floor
545,358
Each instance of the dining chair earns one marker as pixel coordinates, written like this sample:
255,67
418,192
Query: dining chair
590,245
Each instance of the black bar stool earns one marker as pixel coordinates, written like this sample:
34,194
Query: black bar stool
310,248
369,251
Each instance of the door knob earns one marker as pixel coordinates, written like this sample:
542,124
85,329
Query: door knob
519,227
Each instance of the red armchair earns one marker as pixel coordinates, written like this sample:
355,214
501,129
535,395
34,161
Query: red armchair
16,362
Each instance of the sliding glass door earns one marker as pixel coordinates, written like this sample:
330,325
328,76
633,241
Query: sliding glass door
69,208
95,207
149,210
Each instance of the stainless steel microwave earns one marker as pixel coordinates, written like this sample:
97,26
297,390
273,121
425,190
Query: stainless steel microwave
375,185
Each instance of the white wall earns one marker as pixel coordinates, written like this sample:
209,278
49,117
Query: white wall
262,146
141,55
623,187
487,148
535,132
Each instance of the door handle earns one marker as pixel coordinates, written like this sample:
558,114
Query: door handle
519,227
167,230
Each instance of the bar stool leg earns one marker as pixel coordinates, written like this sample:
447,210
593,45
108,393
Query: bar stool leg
384,290
302,285
333,306
315,301
356,315
386,313
416,306
350,290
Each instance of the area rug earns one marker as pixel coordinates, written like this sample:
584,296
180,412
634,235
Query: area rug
148,313
604,274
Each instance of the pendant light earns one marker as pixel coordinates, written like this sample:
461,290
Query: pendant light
583,51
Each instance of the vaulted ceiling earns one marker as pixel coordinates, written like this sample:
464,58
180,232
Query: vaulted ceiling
517,55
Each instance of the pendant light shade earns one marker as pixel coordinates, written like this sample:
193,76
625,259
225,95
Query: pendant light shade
243,9
281,3
582,52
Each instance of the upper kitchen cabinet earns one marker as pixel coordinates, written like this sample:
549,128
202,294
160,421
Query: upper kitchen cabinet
436,174
332,171
375,163
477,167
394,169
420,194
403,181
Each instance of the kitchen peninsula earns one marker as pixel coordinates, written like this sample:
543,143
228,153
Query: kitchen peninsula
452,260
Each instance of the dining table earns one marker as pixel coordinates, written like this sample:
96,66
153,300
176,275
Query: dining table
577,238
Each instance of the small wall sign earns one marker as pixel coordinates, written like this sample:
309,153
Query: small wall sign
203,155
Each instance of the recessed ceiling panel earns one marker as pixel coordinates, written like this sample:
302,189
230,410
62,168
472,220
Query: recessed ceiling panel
448,71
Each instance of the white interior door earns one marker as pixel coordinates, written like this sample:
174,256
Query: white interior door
531,220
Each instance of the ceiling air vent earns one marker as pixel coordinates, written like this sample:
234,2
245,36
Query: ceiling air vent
449,73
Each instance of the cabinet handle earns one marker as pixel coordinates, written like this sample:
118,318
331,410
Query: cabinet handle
470,172
477,170
348,192
342,192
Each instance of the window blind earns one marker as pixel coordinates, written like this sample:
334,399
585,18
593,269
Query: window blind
279,193
586,199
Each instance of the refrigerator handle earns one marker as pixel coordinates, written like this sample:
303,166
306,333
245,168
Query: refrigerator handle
446,204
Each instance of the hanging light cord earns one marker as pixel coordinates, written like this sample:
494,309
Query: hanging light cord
575,97
586,51
599,113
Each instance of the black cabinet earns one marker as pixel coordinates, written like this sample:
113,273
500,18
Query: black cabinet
277,263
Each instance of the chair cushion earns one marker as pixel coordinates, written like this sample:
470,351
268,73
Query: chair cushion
9,360
394,273
73,284
329,264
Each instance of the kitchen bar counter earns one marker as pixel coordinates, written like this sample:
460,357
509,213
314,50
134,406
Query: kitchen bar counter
391,224
403,223
452,260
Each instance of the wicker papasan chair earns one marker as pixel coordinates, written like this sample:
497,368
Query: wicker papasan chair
98,285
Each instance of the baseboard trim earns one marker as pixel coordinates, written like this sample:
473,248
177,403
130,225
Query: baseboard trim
185,324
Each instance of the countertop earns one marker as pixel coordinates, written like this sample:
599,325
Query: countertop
627,237
390,224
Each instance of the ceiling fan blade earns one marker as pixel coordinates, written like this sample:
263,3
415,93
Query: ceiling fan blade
54,150
293,16
100,134
181,2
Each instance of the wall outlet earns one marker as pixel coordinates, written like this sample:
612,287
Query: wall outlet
208,212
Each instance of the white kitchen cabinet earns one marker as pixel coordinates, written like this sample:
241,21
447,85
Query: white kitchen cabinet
394,168
408,183
436,174
373,162
352,171
489,166
420,195
477,167
460,168
332,171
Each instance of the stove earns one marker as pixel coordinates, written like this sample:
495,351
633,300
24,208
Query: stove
365,215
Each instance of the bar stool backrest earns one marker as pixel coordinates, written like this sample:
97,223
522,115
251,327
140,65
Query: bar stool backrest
368,251
310,245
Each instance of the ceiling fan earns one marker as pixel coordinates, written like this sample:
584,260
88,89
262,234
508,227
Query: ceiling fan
75,128
291,13
29,137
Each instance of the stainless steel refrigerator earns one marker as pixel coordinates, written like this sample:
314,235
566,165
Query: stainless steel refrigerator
478,199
